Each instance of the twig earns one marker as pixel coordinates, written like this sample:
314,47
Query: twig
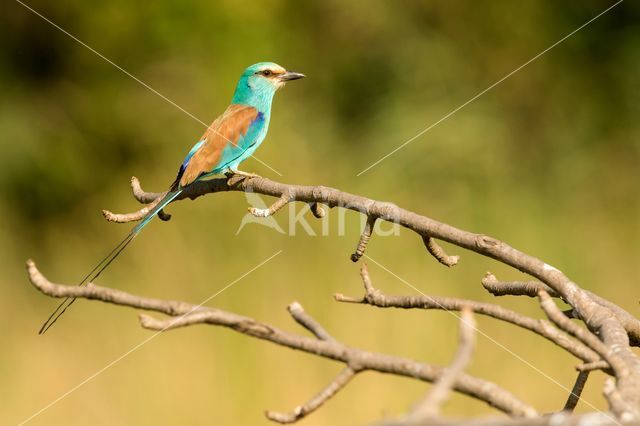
541,327
514,288
580,333
597,365
531,288
284,199
323,396
358,359
430,405
125,217
438,252
317,210
141,195
305,320
137,215
615,398
619,405
364,239
574,396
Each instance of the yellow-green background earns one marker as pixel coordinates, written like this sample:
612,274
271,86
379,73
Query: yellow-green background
547,161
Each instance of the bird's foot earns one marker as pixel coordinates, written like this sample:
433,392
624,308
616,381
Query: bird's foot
231,173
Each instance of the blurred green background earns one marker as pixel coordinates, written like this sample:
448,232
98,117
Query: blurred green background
547,161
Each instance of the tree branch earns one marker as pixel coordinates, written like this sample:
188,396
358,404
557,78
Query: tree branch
317,210
615,359
430,405
375,297
305,320
574,396
438,252
582,334
357,359
597,365
608,334
531,289
364,239
323,396
280,203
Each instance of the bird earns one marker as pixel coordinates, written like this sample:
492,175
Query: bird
228,141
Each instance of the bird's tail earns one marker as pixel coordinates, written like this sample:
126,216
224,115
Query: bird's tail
106,261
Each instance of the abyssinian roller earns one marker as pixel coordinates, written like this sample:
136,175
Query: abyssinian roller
232,138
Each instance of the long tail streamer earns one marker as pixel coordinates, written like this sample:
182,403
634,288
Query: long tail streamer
108,259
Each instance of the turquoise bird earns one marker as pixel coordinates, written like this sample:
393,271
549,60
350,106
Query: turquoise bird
232,138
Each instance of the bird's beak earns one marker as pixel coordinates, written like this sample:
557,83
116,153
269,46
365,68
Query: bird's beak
290,75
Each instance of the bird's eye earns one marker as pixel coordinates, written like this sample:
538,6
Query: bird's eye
266,73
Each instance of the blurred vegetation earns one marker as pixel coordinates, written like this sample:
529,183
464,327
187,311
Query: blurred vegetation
548,161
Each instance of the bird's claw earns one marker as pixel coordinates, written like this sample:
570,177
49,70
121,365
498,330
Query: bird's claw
231,173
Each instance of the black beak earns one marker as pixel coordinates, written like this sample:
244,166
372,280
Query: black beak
290,75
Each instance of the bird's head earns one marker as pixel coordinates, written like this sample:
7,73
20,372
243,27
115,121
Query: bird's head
269,75
261,81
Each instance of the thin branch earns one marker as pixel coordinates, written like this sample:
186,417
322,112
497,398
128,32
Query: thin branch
317,210
514,288
614,397
141,195
301,411
364,239
139,214
305,320
619,404
163,216
574,396
597,365
531,289
438,252
280,203
541,327
125,217
585,336
430,405
358,359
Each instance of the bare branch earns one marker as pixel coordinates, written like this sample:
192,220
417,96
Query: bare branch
305,320
317,210
323,396
574,396
424,226
615,358
582,334
615,398
597,365
125,217
139,214
280,203
430,405
357,359
438,252
531,289
543,328
141,195
364,239
609,329
514,288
